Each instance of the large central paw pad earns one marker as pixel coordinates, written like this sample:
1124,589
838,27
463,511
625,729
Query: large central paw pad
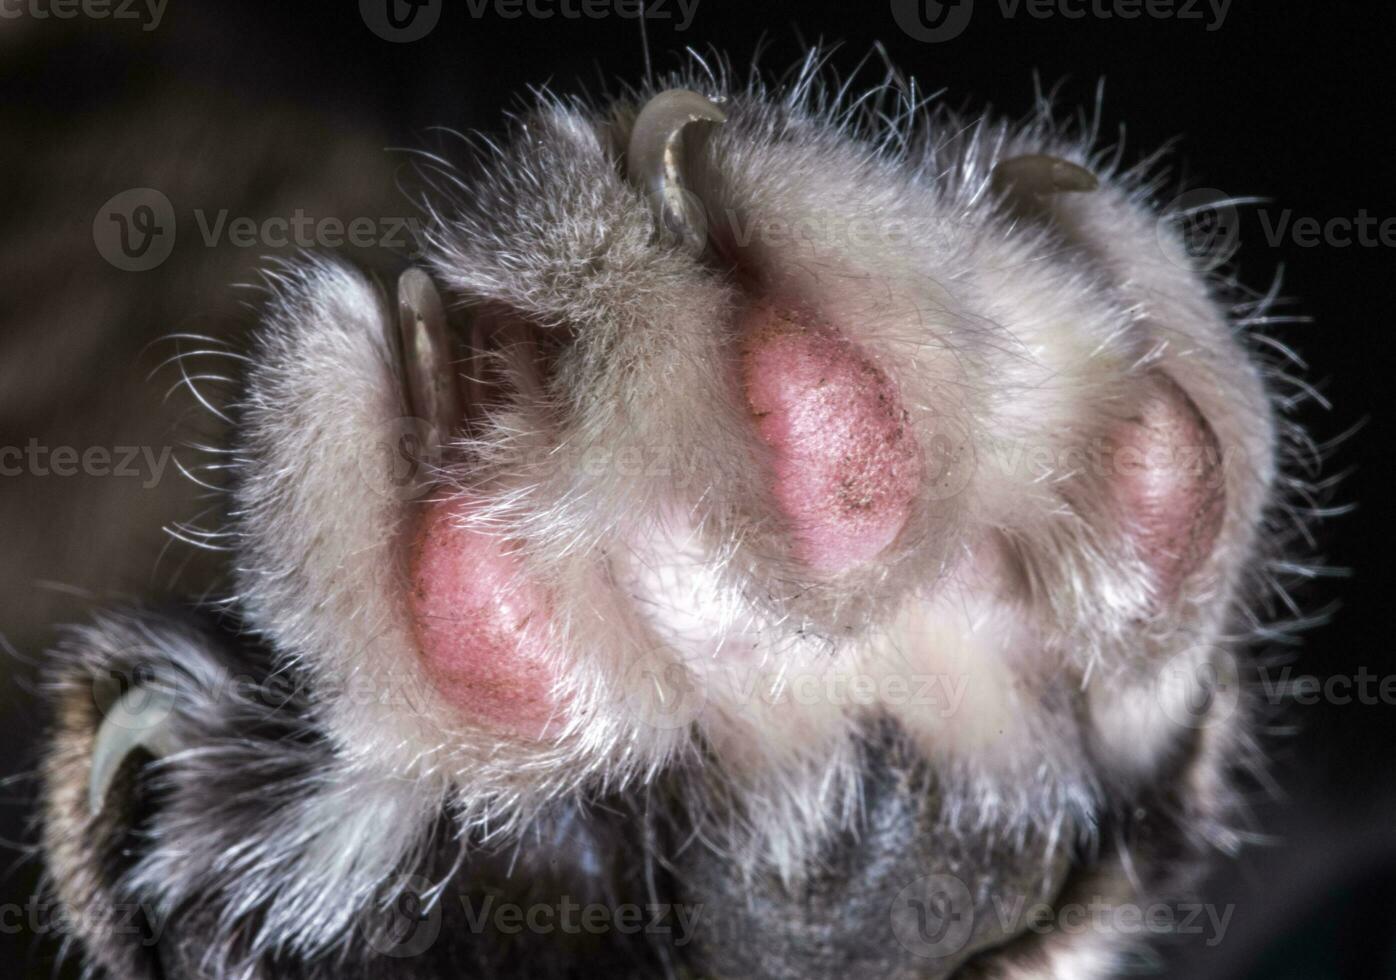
846,468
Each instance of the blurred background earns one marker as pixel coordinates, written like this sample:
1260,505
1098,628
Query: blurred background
219,111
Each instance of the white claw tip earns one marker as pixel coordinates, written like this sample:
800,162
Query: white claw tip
140,719
655,159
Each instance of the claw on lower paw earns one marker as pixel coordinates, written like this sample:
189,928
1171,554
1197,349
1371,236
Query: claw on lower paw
140,719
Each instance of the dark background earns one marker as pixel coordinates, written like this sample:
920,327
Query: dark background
1292,102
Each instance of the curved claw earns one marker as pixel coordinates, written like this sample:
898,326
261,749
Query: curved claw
140,719
433,393
1026,179
655,159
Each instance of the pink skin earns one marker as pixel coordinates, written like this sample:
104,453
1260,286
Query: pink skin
1167,484
480,625
846,467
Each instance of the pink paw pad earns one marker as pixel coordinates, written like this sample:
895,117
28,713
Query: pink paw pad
480,625
846,466
1168,484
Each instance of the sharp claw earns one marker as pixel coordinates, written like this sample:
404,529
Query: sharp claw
1026,179
655,160
140,719
433,393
